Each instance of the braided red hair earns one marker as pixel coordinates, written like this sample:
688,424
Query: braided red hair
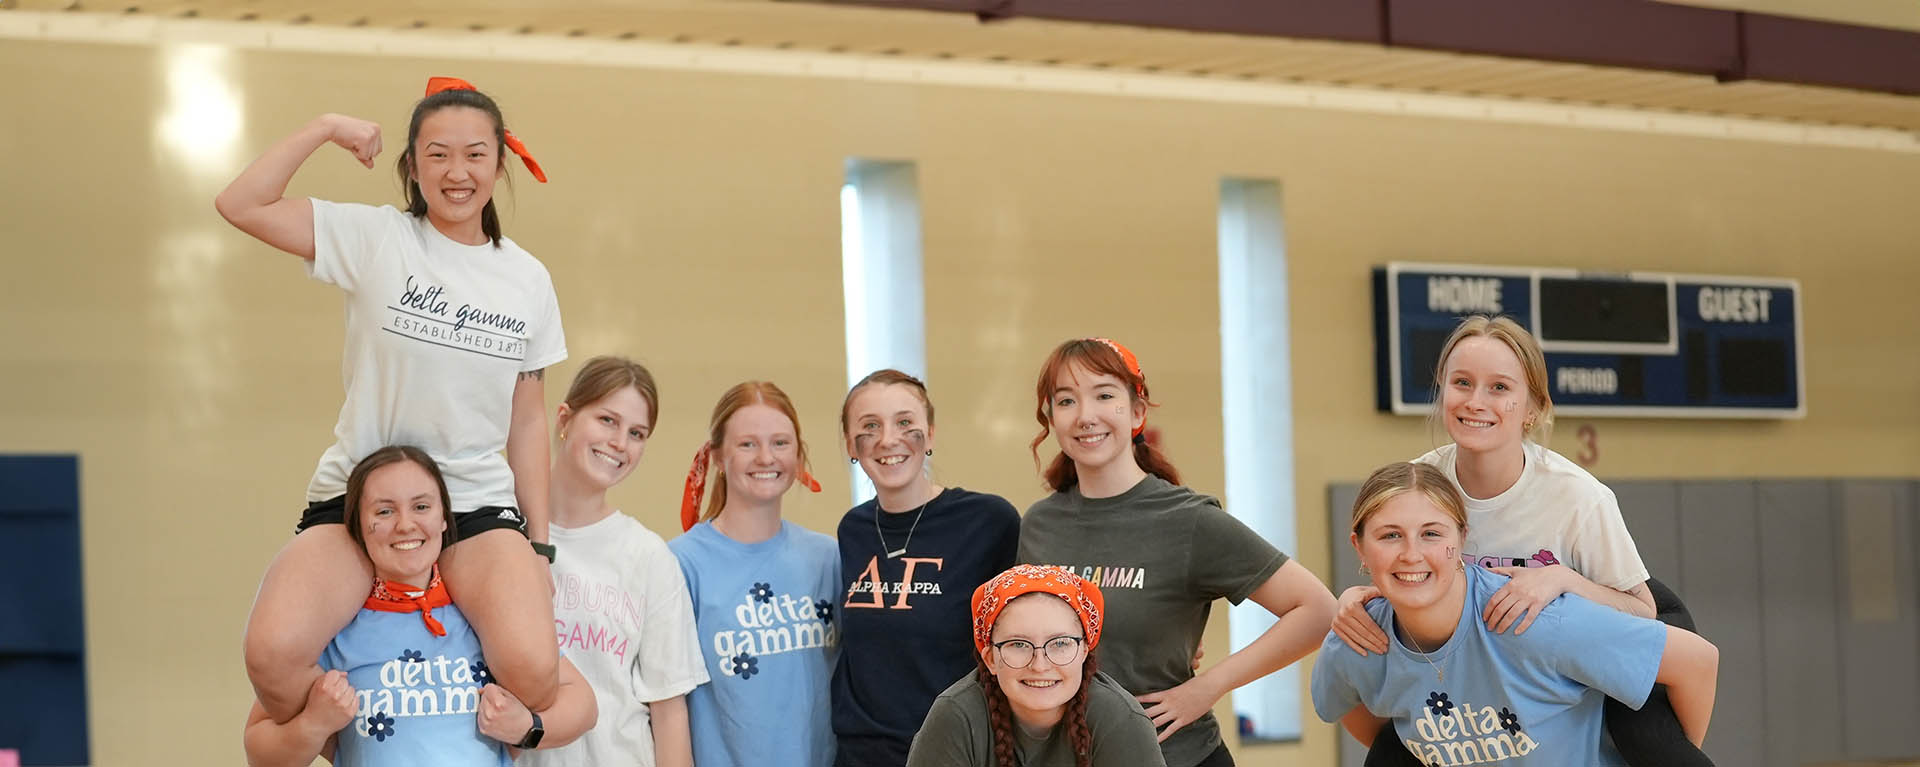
1000,715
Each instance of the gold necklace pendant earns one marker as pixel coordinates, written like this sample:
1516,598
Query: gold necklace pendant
1438,673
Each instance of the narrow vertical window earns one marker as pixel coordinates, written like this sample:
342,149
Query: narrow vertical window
881,276
1257,399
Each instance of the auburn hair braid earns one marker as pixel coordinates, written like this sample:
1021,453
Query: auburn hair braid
999,718
1079,735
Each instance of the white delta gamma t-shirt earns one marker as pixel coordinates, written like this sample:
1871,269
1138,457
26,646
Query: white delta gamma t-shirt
437,332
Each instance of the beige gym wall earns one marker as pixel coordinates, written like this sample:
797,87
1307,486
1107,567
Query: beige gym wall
693,223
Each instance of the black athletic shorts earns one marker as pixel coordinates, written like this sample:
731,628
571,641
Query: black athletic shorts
466,524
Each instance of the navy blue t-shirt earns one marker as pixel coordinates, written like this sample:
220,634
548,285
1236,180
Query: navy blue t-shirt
905,622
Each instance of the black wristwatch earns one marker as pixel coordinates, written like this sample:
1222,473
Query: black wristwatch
547,550
532,739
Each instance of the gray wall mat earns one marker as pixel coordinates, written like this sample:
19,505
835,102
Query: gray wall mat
1720,538
1651,510
1799,624
1879,670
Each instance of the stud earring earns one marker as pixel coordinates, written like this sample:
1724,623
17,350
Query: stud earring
853,461
929,452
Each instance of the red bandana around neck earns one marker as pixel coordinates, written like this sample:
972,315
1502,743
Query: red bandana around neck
393,598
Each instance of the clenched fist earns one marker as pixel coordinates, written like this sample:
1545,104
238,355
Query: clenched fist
502,716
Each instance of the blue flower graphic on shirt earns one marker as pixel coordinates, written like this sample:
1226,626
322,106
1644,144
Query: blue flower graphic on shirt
1439,703
1509,722
824,609
380,726
481,676
412,656
761,592
745,666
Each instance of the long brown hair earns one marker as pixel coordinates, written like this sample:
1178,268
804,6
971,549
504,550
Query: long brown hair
1000,714
740,396
1097,356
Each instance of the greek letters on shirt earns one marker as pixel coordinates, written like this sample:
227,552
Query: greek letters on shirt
771,624
413,685
869,590
1111,576
1541,558
612,616
1460,733
427,313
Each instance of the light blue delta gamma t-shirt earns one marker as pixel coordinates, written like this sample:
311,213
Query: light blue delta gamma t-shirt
1532,699
765,619
419,694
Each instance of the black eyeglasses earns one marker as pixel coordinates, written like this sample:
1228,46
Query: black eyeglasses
1019,653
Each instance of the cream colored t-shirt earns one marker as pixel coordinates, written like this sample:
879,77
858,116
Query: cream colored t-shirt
1556,513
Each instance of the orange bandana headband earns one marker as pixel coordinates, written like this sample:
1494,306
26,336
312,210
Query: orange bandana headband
438,84
1133,366
993,596
696,486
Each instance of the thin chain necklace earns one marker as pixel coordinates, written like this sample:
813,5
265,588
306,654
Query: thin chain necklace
918,513
1417,650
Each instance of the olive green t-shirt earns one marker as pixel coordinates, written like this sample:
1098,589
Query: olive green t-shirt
1161,554
957,732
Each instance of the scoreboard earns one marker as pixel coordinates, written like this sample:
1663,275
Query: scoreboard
1635,344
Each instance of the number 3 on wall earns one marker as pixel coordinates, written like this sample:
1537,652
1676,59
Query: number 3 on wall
1589,445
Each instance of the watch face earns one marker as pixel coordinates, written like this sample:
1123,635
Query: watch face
534,734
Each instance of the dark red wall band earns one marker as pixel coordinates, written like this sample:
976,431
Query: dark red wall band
1638,34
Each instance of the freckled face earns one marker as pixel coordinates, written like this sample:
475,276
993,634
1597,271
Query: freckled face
1093,416
889,433
1413,549
1485,397
1041,690
760,453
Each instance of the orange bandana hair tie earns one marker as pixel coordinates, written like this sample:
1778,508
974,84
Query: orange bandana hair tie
393,598
1133,366
438,84
696,486
993,596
